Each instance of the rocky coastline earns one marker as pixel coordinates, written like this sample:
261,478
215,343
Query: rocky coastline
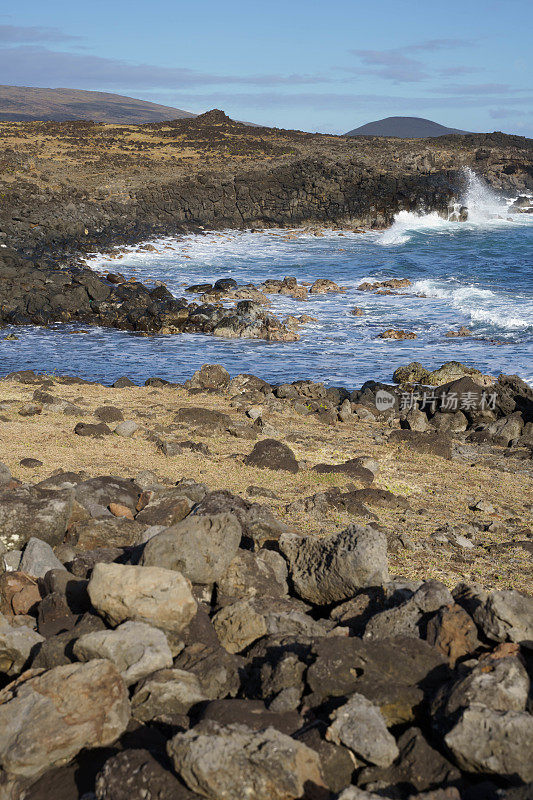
229,588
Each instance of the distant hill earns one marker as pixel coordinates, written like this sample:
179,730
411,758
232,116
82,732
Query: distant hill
29,103
404,127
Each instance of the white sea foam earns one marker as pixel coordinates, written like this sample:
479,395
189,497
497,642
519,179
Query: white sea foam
485,208
480,305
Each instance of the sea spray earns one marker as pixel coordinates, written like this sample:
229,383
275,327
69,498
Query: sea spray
478,206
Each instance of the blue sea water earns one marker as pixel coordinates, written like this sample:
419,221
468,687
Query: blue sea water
477,273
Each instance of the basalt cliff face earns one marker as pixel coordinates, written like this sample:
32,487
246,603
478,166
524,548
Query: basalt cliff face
77,186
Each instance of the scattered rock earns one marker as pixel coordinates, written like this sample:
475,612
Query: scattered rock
435,444
391,333
89,429
506,616
200,547
138,775
126,428
332,568
271,454
210,376
359,725
18,647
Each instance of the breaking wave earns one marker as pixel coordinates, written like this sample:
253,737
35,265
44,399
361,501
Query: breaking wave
483,205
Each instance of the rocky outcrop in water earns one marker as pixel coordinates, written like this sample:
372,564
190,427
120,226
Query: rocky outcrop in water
40,295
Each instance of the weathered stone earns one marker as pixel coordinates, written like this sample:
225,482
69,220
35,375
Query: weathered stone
271,454
251,713
495,742
203,417
354,468
506,616
166,508
27,513
359,725
405,619
234,761
238,625
452,631
106,489
215,668
96,431
56,651
395,674
332,568
19,594
210,376
138,775
18,647
251,575
166,693
419,767
135,648
47,719
109,414
159,597
435,444
258,524
127,428
92,534
200,547
499,684
38,558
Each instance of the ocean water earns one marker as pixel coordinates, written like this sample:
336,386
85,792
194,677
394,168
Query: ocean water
477,273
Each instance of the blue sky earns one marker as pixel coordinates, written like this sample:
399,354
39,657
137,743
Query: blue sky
317,66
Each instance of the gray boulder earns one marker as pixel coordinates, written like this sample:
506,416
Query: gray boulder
506,616
90,534
159,597
18,646
333,568
498,684
32,512
253,575
38,558
98,493
126,428
200,547
359,725
271,454
233,762
495,742
5,475
404,620
166,693
47,719
135,648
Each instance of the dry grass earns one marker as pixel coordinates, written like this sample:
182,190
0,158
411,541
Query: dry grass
439,491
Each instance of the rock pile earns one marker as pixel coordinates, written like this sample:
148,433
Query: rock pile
169,653
39,294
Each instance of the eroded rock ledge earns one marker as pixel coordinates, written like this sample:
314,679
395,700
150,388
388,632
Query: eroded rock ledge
77,187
